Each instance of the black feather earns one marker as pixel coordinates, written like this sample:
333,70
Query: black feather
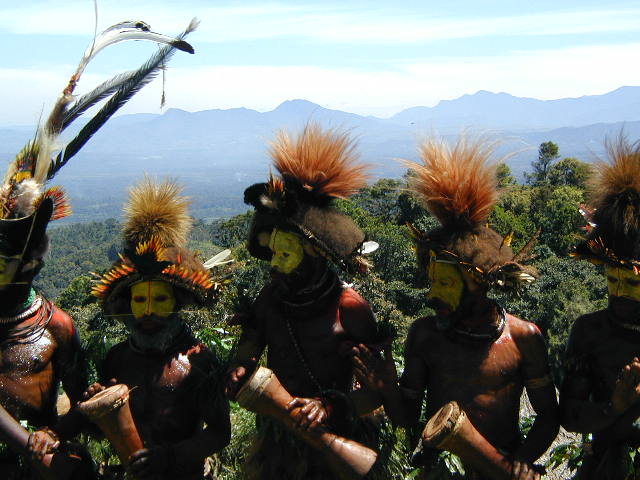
132,85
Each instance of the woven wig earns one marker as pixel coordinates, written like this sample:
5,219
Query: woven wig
315,168
613,216
458,185
155,233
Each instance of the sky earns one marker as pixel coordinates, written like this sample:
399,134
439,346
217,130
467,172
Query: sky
369,57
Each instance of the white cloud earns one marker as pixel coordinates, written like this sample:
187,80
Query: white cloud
325,24
544,74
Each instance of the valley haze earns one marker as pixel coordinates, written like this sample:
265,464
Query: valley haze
216,154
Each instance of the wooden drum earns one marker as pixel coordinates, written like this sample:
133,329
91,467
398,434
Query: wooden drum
263,393
450,429
109,410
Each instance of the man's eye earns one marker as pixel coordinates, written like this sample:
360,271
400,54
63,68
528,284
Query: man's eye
285,254
633,283
612,279
162,298
139,299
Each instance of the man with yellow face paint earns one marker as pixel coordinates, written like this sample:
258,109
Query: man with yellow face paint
471,351
601,391
305,317
175,381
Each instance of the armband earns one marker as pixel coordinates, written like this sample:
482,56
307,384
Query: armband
539,382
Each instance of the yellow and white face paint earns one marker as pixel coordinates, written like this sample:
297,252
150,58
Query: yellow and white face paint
288,251
447,283
152,297
623,282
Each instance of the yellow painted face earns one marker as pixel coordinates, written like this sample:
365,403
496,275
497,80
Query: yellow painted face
287,250
447,283
152,297
623,282
8,268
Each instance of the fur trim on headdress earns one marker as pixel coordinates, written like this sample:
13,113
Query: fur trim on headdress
613,234
458,185
157,210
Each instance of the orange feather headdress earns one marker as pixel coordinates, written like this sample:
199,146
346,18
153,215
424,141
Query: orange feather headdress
315,168
458,185
155,232
613,231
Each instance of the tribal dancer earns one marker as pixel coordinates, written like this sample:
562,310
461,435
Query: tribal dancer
306,318
472,351
39,345
601,389
174,379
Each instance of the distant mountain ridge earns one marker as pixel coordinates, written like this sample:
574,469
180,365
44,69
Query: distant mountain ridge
218,153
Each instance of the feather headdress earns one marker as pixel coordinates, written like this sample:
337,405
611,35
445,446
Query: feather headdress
315,168
458,185
22,192
155,232
613,234
157,210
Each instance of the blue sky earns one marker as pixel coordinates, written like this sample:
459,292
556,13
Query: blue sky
368,57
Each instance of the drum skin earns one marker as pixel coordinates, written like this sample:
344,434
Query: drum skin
109,410
263,394
450,429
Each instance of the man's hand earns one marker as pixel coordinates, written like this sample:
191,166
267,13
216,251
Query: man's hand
149,463
311,412
372,370
42,442
626,392
524,471
95,389
235,379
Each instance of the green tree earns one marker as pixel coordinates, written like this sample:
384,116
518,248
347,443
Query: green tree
547,153
569,171
505,177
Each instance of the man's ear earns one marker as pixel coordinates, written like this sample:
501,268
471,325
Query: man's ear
310,249
263,238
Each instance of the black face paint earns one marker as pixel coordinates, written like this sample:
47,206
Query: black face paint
624,309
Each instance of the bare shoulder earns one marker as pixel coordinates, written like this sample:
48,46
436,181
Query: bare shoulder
522,329
527,336
356,316
62,327
419,332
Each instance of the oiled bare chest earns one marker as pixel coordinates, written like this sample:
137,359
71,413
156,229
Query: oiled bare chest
304,348
472,368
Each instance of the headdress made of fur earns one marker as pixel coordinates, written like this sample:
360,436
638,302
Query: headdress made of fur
155,234
613,216
458,185
315,168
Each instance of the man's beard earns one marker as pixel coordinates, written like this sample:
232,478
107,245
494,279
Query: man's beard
624,309
290,283
159,339
466,311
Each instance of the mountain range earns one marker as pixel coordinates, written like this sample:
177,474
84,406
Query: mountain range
218,153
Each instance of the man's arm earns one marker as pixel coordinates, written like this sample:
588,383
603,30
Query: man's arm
402,400
541,392
579,412
249,350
